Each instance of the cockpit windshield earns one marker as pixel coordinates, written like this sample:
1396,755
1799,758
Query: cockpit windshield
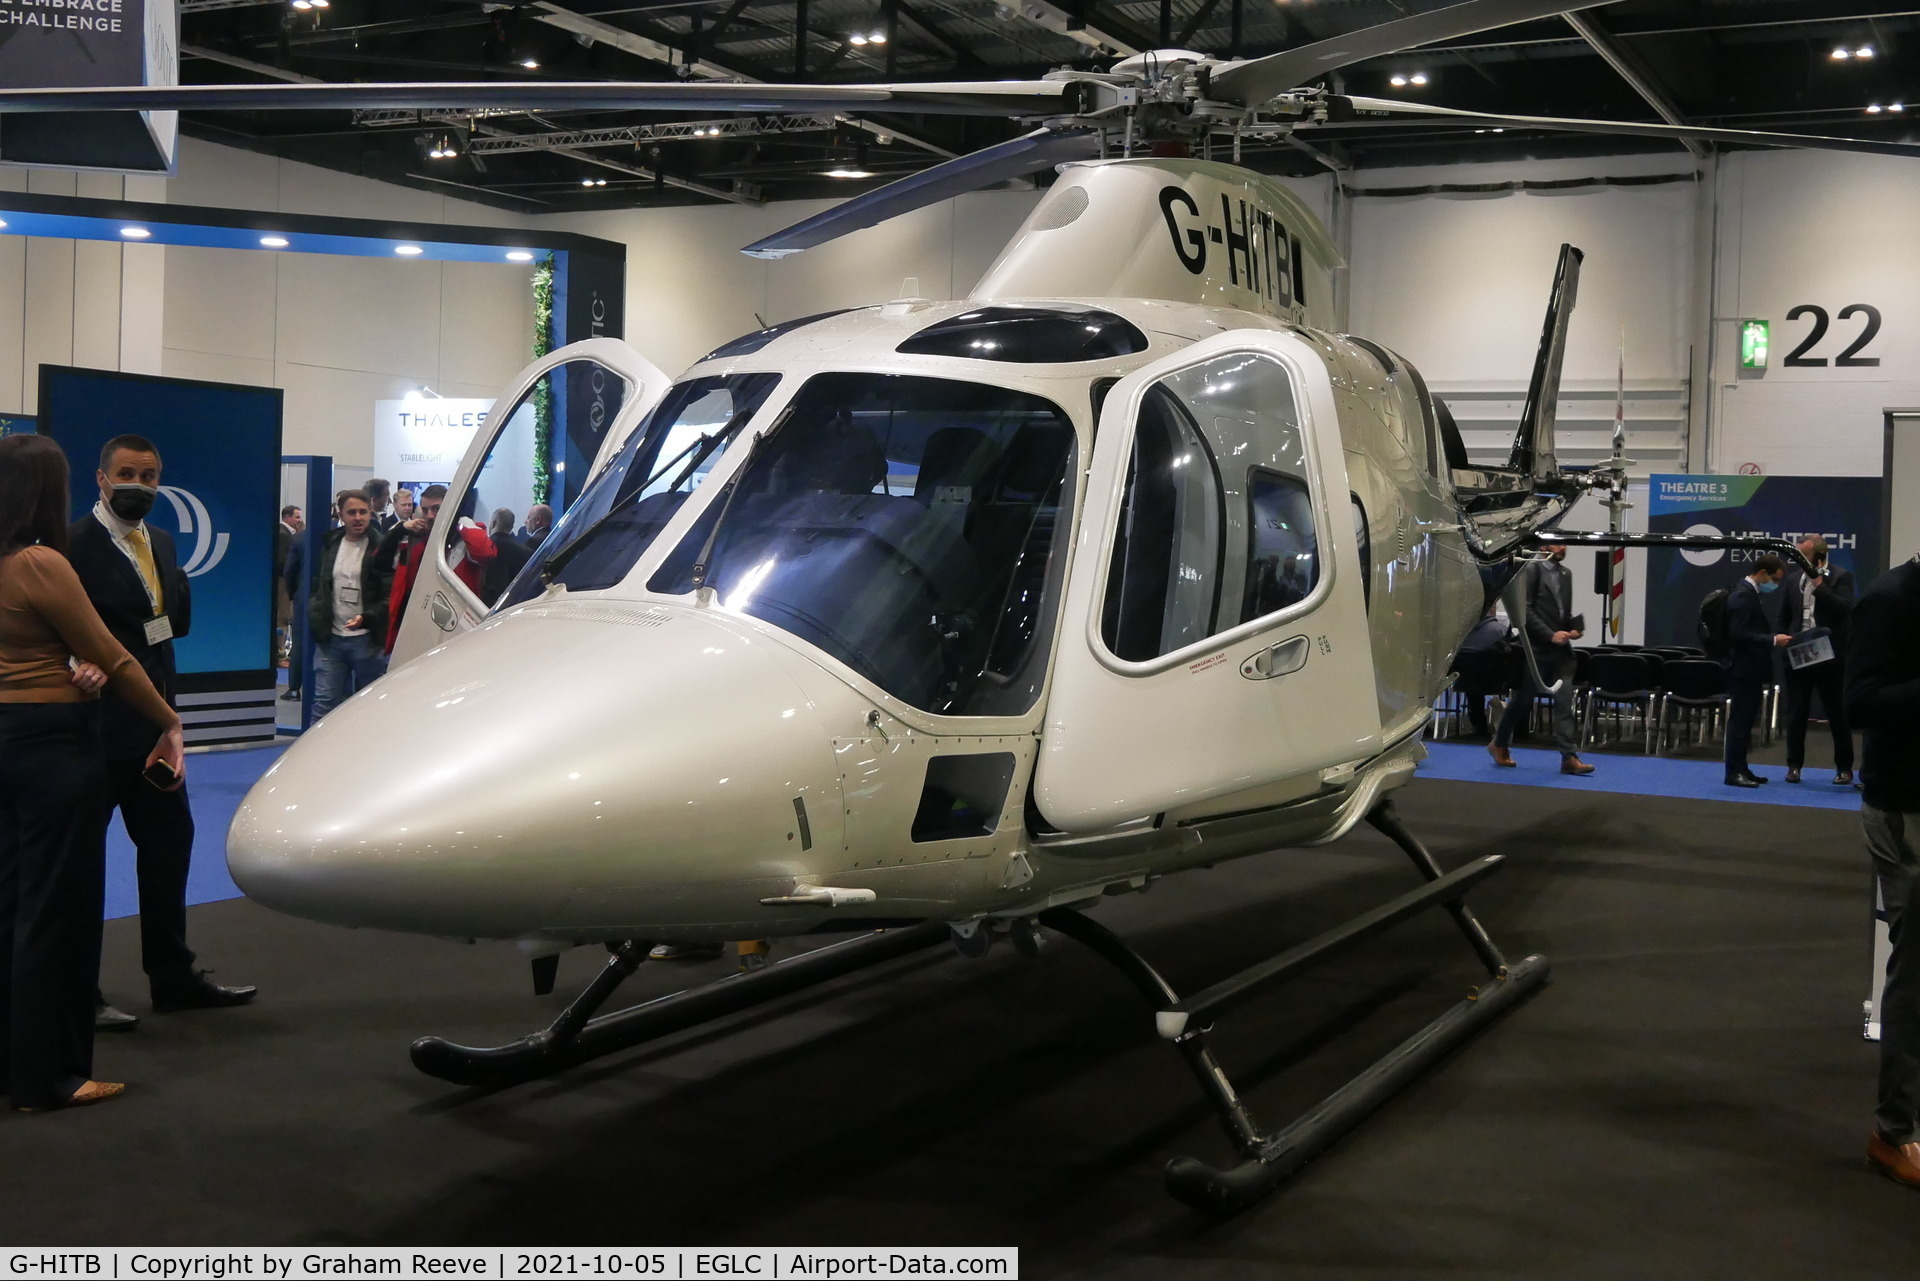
914,528
628,504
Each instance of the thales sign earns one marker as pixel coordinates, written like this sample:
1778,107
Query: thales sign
421,441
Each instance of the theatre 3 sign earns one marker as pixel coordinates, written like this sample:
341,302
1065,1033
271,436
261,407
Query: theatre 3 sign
421,441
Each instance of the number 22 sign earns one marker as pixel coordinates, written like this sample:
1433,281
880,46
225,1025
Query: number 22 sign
1869,329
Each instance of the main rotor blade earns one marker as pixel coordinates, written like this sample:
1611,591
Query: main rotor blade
1756,137
992,97
1041,149
1252,83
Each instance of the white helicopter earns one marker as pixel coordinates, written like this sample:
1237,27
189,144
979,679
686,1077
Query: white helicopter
940,620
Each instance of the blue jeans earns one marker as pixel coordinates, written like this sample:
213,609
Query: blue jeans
344,665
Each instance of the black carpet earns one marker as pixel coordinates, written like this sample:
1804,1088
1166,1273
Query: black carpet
1689,1098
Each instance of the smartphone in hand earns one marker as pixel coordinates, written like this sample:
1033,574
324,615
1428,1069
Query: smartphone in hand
161,775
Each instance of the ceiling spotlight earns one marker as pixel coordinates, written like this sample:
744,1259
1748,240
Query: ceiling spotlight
1874,109
135,233
302,5
877,37
1898,106
273,242
848,171
1864,51
1841,55
408,251
1418,77
531,64
1398,82
856,40
319,4
443,150
593,182
519,255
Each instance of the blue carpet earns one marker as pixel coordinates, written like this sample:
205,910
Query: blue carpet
216,781
1636,776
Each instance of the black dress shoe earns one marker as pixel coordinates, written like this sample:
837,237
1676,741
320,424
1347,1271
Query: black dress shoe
1743,780
108,1019
1793,774
1843,778
197,992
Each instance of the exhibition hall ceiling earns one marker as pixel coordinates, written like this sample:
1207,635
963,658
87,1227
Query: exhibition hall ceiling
1810,66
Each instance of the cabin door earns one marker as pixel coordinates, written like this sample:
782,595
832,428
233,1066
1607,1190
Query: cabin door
595,390
1215,636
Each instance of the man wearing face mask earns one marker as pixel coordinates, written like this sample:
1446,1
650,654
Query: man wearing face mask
1751,640
133,578
1552,628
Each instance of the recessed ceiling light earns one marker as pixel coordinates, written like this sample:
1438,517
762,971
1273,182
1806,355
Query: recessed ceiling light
408,251
519,255
848,171
135,233
274,242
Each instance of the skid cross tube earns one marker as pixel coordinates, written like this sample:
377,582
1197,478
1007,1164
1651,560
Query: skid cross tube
1267,1159
576,1036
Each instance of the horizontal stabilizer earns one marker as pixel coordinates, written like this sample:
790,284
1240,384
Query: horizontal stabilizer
1041,149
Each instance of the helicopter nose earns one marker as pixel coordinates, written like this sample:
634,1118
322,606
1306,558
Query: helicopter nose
558,751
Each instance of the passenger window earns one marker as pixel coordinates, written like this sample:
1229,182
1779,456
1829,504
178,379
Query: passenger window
484,548
1216,526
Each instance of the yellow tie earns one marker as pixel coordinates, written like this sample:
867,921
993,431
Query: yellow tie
149,572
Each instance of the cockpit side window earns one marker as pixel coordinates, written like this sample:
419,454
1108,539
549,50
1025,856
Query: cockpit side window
1216,526
913,528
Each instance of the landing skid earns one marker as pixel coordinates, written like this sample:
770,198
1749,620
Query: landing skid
576,1036
1267,1159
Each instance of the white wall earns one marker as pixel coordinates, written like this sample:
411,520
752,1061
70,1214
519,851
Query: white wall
337,333
1824,229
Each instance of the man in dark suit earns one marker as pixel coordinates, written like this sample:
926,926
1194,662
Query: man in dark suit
380,494
1824,599
1751,640
1883,698
1552,628
133,579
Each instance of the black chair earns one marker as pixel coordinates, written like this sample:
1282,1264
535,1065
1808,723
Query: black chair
1693,685
1478,677
1622,681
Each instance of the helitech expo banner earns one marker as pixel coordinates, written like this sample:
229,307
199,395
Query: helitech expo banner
1844,510
219,449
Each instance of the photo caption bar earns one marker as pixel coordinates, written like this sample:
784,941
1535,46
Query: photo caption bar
667,1264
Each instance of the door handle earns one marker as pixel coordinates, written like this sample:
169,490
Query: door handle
1289,655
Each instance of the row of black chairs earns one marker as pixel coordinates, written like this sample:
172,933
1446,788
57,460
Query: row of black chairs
1617,688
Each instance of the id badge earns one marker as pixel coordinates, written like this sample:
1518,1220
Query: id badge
159,629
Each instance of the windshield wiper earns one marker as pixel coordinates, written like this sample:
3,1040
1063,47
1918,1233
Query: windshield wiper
700,562
701,449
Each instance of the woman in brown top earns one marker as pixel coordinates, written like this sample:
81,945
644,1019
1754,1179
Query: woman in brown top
53,790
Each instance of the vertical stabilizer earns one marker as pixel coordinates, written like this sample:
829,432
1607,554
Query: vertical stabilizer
1533,453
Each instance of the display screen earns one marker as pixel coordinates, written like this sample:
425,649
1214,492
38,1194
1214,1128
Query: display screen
219,492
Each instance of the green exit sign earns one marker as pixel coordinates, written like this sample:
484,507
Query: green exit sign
1753,344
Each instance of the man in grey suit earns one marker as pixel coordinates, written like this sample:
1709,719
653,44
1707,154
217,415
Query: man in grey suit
1551,630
